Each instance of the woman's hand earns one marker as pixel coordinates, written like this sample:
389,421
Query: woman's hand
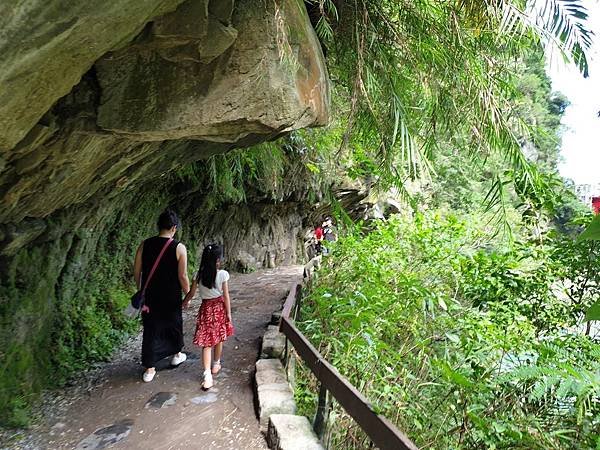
188,297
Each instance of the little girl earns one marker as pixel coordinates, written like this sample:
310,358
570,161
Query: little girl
213,324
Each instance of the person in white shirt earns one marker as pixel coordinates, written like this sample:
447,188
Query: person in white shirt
213,324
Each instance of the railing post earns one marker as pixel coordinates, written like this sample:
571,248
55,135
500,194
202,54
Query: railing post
290,368
322,414
297,304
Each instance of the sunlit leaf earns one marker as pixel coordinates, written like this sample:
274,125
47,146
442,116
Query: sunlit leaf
592,232
593,313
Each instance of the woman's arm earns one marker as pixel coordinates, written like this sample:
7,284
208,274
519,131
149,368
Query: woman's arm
226,299
181,252
137,266
190,294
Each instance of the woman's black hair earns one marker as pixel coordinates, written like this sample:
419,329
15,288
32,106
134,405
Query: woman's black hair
207,274
167,220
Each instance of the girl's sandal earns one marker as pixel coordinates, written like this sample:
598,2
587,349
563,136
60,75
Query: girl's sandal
208,381
216,367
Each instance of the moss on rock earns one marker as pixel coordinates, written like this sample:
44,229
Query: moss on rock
63,293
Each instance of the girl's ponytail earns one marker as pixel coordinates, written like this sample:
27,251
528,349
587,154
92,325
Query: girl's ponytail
207,274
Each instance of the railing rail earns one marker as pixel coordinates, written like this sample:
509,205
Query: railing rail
381,431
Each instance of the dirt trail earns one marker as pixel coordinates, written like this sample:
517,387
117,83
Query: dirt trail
118,410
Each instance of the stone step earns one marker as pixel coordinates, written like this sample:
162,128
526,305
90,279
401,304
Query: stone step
290,432
275,395
275,318
273,344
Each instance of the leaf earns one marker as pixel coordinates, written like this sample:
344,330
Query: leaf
593,313
499,427
592,232
453,337
313,167
454,376
442,304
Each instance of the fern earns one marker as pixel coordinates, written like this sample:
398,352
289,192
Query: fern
560,386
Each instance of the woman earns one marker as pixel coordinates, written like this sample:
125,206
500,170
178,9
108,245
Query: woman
161,314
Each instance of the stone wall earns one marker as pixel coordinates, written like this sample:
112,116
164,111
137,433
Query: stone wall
100,107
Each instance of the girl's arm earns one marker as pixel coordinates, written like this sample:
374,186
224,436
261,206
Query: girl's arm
190,294
137,267
226,298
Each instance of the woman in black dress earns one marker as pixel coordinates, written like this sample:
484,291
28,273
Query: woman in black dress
161,314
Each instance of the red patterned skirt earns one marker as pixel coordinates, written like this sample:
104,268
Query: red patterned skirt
212,324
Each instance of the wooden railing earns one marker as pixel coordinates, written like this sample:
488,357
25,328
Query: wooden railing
381,431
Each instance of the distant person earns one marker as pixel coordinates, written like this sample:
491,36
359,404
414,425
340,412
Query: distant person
328,230
213,324
596,204
328,234
318,239
161,313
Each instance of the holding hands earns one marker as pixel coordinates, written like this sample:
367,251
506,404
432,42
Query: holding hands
188,297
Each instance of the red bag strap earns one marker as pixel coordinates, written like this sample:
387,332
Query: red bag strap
160,255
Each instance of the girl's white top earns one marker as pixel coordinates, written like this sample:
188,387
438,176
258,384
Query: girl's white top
217,291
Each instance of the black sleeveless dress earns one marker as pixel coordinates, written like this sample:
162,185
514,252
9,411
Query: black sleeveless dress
163,325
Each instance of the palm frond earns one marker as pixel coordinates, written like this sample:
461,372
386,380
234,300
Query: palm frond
496,204
559,22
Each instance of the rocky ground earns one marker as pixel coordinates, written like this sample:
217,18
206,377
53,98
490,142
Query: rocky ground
110,406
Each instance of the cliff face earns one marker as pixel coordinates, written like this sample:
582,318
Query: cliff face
101,106
196,81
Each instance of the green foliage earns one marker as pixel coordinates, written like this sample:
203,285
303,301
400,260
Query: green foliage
592,233
509,198
541,109
271,170
415,80
463,344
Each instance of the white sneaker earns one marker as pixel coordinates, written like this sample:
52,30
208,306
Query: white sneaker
208,380
148,376
178,358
